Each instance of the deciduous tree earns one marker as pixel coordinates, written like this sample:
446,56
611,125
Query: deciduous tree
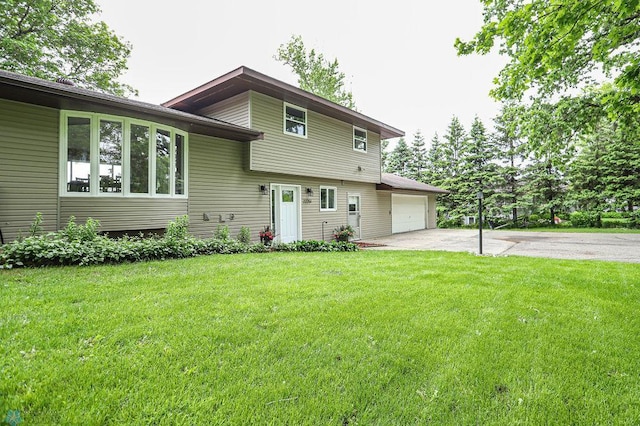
315,73
53,39
555,46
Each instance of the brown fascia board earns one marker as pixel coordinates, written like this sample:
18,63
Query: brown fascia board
244,79
21,88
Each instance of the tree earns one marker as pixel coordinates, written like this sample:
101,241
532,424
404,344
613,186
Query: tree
400,159
511,151
554,47
435,163
315,73
419,156
455,203
58,39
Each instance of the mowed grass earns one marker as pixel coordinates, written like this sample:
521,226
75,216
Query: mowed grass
371,337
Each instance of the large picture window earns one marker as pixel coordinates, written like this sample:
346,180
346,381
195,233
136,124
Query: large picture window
295,120
118,156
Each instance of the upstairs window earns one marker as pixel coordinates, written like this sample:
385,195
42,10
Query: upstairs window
359,139
117,156
328,196
295,120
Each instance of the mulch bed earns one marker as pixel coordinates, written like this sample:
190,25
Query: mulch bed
363,244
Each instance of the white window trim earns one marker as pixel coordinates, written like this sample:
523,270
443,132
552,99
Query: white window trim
366,139
284,120
335,199
94,190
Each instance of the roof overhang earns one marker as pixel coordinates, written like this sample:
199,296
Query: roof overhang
391,182
244,79
20,88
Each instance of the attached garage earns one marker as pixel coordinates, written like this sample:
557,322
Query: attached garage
413,203
408,212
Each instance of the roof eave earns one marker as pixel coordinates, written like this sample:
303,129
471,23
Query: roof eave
56,95
254,80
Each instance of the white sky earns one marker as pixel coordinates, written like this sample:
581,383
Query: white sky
398,56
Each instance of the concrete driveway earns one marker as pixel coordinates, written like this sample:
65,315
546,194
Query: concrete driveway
616,247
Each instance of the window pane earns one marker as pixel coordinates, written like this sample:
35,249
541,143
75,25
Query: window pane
110,156
139,159
287,196
179,172
78,154
295,121
323,198
297,128
163,157
332,198
296,115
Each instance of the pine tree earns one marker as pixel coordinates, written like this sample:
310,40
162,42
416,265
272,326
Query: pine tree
435,164
419,157
510,151
454,205
400,159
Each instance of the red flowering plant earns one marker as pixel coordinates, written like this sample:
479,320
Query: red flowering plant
266,236
343,233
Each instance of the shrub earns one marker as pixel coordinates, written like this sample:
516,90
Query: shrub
222,233
178,229
244,236
81,245
585,219
343,233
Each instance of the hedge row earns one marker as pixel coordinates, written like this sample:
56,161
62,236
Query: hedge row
81,245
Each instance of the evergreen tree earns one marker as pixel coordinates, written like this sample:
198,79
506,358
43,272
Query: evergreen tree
546,186
454,204
510,151
622,167
400,159
435,164
419,157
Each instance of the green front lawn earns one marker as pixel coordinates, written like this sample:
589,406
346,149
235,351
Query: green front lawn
370,337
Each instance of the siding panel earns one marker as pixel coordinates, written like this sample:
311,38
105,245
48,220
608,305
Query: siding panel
29,171
122,214
327,151
219,186
234,110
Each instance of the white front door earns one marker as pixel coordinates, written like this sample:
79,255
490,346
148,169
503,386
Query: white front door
354,215
286,199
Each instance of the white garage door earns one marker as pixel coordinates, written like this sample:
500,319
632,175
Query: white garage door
408,213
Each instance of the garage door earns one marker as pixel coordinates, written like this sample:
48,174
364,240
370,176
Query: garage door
408,213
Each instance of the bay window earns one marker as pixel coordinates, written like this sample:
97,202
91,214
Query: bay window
117,156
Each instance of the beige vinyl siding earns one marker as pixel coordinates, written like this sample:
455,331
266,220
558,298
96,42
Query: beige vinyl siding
234,110
326,152
220,187
29,167
123,213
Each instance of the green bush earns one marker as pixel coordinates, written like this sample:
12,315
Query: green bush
616,223
244,236
82,245
222,233
612,215
585,219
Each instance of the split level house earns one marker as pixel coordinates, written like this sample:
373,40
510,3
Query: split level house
241,150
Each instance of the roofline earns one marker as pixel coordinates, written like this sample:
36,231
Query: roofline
263,79
65,91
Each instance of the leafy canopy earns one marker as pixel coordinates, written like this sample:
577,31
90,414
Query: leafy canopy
315,73
556,46
53,39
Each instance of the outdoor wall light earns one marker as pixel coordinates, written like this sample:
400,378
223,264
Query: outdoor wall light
264,190
309,192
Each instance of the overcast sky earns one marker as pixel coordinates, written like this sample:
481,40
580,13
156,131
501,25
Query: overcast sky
398,55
